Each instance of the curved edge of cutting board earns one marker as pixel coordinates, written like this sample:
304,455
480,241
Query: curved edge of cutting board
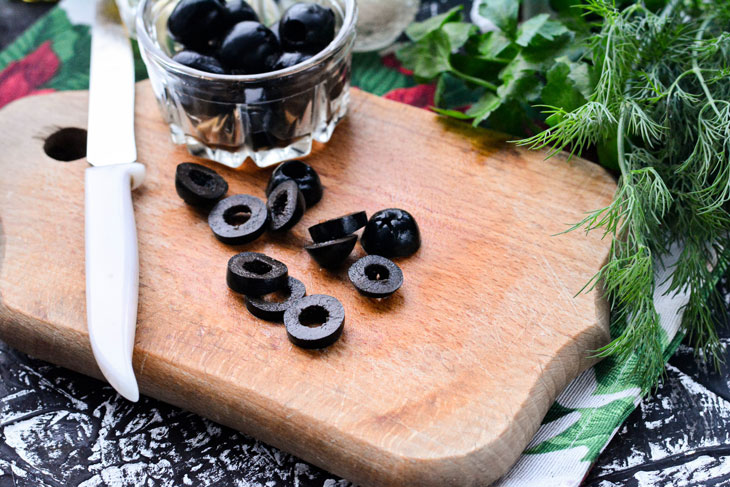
32,331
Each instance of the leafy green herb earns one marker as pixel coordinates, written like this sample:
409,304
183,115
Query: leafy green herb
662,101
505,70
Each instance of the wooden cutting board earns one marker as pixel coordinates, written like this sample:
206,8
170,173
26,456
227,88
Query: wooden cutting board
442,384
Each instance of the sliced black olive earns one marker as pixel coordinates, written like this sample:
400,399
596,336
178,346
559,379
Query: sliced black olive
315,321
270,310
199,61
238,219
307,27
254,274
236,11
286,206
198,185
289,59
391,233
332,253
196,23
249,48
338,227
375,276
301,173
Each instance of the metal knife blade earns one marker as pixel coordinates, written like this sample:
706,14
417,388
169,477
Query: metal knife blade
112,261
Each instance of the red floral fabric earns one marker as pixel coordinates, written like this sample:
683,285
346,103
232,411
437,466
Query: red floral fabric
26,76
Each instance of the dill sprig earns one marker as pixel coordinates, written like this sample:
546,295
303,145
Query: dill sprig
663,95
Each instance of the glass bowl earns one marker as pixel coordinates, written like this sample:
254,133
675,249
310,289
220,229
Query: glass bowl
268,117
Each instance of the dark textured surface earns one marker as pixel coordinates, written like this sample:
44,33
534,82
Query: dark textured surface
59,428
680,436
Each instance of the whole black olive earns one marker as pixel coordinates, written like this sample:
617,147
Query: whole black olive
391,233
307,27
196,23
301,173
238,11
249,48
199,61
289,59
198,185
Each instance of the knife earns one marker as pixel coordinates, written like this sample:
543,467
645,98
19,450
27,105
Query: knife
112,261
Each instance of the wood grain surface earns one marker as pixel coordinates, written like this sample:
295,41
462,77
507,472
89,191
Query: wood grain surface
442,384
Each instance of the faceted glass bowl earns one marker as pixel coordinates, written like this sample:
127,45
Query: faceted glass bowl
268,117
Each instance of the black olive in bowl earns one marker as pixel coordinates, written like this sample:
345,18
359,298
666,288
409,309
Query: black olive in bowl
197,24
307,27
199,61
249,48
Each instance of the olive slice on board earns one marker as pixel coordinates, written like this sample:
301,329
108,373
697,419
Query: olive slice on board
238,219
270,310
285,206
198,185
315,321
333,252
254,274
338,227
391,233
301,173
375,276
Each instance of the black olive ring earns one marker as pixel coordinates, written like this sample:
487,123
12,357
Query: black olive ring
223,216
198,185
375,276
254,274
315,321
274,310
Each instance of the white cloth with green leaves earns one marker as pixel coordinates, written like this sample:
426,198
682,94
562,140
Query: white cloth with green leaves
588,413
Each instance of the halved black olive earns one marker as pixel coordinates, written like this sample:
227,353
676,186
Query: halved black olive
270,310
196,23
286,206
254,274
338,227
249,48
238,219
375,276
332,253
198,185
199,61
391,233
315,321
307,27
301,173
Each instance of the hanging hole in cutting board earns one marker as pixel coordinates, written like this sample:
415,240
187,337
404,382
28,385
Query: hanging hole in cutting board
66,144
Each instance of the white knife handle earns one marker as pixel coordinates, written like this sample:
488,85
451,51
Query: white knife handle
112,271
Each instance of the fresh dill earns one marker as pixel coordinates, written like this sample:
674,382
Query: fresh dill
663,95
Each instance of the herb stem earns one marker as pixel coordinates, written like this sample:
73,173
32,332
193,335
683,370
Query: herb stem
698,71
472,79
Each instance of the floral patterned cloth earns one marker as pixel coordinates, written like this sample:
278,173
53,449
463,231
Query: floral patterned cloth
54,55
